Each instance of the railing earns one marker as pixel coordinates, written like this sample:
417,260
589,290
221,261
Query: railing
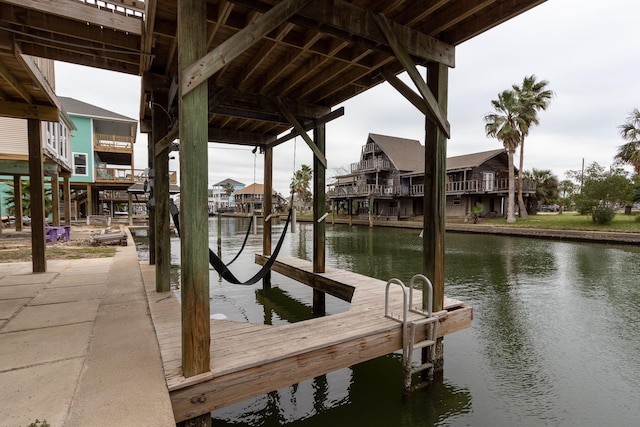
369,148
109,142
370,165
362,190
127,175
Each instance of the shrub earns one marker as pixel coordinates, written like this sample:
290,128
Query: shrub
637,218
603,215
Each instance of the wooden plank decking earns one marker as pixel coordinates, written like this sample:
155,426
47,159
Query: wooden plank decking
251,359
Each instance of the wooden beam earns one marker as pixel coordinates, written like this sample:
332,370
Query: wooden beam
12,81
36,180
434,189
415,99
339,112
17,197
194,247
239,137
301,131
55,199
83,13
66,191
354,24
407,63
319,208
165,142
161,196
267,208
212,62
21,110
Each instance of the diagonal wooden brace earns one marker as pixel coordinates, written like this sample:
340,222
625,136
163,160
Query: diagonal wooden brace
303,133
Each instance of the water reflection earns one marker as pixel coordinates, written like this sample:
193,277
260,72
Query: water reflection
555,338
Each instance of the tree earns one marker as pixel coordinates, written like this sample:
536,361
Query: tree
566,189
26,199
602,191
504,125
300,183
532,96
629,153
546,186
228,189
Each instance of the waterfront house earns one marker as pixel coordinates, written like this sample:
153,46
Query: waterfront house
219,200
389,178
103,161
14,149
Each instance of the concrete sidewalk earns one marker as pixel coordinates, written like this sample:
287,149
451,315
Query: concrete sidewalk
77,346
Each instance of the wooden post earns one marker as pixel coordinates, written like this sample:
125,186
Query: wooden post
55,199
36,180
130,208
434,186
89,202
267,207
319,209
372,202
160,128
192,34
151,230
434,201
66,193
17,197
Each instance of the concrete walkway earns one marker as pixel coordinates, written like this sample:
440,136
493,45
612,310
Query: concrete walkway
77,346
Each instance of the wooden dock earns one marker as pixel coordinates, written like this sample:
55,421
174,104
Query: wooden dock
251,359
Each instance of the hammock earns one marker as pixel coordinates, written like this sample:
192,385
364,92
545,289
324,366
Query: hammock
244,242
222,269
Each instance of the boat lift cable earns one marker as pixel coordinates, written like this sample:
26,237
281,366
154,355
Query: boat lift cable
244,242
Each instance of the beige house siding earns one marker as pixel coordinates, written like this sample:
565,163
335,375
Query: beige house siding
13,138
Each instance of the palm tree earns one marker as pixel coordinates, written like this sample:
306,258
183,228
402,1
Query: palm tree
532,97
300,183
629,153
505,126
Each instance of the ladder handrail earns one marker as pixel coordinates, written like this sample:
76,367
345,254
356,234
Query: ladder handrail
413,281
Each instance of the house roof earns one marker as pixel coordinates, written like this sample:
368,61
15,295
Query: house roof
251,189
79,108
228,180
407,155
473,160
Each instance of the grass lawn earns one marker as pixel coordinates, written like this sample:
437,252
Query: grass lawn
570,221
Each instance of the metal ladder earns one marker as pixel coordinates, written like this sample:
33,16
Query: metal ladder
409,328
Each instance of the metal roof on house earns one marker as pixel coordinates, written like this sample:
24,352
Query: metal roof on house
79,108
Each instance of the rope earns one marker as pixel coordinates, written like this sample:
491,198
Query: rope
222,269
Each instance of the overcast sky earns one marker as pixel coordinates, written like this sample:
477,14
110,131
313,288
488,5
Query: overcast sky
588,50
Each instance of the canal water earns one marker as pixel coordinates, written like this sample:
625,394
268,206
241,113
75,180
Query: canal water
555,338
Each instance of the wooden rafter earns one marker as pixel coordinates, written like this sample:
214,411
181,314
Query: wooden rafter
432,104
212,62
302,132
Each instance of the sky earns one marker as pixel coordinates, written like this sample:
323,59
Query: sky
588,51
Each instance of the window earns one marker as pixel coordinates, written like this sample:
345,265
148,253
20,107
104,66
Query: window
488,179
80,164
457,200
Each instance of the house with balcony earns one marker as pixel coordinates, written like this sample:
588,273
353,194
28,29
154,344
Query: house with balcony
219,200
388,181
14,148
103,161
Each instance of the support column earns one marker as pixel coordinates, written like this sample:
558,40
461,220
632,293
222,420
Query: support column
267,208
151,205
36,182
55,199
192,34
319,209
130,208
89,201
160,128
435,198
17,197
66,194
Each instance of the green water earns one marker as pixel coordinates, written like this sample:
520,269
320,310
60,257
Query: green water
555,338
